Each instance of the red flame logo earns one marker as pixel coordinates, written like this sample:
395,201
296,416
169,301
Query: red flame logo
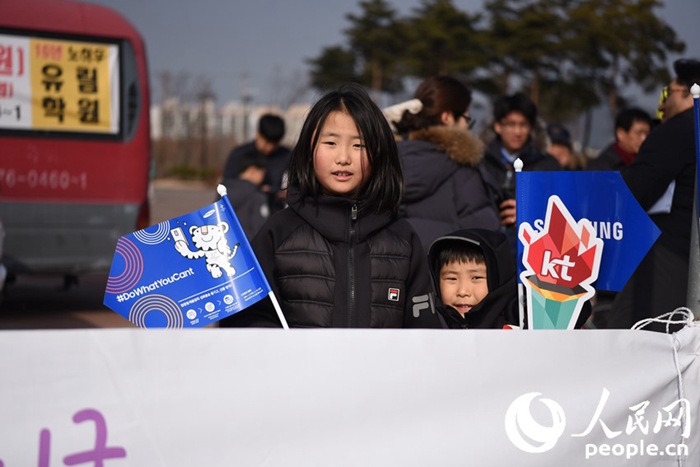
565,253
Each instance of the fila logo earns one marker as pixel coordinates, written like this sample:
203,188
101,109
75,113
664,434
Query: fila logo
394,295
422,302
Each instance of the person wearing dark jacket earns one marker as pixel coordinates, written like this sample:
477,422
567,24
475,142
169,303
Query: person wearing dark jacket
475,279
445,188
515,117
267,143
632,126
662,179
338,256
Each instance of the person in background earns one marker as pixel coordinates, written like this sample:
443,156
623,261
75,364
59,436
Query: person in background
269,134
632,126
339,256
662,178
446,189
560,147
245,194
514,118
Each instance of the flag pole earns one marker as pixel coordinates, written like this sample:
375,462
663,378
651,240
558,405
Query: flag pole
221,189
518,166
693,298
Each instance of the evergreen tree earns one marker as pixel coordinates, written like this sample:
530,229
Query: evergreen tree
614,43
334,66
443,40
377,40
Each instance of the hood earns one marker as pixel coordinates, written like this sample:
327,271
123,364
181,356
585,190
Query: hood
460,145
500,266
432,155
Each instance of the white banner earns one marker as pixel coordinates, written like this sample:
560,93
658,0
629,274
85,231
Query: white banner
254,397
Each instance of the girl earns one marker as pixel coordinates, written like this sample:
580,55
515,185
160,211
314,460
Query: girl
338,256
446,189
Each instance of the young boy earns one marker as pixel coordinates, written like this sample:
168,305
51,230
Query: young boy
475,279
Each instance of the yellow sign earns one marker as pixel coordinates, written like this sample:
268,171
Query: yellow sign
73,85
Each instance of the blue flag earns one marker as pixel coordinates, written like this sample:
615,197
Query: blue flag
603,199
189,271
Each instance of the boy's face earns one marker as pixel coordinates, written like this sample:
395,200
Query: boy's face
463,285
514,130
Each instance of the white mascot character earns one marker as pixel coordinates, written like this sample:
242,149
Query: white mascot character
211,243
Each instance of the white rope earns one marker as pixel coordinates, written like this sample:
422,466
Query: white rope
667,318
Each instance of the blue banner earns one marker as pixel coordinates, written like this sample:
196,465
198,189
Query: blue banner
604,199
189,271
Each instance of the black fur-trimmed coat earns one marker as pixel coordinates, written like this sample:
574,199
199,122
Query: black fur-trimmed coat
446,188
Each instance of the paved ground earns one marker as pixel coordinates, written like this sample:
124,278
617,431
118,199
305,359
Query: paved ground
172,198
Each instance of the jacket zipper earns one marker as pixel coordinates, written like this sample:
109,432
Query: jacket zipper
351,267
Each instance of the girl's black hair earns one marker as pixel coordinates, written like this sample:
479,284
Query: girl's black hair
384,188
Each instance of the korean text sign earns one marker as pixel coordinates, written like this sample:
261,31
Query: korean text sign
60,85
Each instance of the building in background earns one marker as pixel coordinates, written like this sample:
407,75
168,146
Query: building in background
192,140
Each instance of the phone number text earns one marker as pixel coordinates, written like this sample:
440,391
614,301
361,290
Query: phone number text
51,179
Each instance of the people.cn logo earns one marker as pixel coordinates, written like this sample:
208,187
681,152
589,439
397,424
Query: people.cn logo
525,432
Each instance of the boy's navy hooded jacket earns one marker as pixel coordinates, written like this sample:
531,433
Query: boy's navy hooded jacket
500,306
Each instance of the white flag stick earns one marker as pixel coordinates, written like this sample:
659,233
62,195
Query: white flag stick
518,166
221,189
276,304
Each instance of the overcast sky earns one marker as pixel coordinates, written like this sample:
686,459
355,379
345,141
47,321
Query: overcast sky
263,45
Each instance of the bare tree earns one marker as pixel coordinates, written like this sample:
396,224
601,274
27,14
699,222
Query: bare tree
205,97
174,85
287,88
